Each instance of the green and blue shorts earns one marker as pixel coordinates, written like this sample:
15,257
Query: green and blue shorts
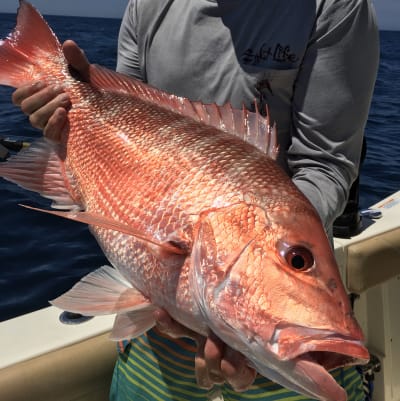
154,367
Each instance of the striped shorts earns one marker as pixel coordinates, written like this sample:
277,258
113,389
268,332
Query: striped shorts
153,367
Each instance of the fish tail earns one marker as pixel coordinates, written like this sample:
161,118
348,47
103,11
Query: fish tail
29,50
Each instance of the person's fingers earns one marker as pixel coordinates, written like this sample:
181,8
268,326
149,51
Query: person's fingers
165,324
26,91
40,117
235,370
56,124
215,362
77,59
214,349
202,373
41,98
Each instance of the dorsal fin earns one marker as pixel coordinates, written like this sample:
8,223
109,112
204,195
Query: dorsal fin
252,127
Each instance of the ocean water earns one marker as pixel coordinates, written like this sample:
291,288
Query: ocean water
42,256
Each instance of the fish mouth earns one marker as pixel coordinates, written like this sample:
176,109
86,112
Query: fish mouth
326,348
316,364
338,354
302,358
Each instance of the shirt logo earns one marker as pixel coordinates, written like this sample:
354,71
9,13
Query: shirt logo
278,53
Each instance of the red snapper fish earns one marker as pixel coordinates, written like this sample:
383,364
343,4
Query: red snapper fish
194,215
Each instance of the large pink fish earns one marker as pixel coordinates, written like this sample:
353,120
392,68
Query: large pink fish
194,215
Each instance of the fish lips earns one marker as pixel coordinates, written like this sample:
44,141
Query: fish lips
326,348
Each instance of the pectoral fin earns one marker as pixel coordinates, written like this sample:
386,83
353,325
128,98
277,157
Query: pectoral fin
104,291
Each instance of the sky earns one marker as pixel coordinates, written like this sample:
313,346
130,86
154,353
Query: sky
388,11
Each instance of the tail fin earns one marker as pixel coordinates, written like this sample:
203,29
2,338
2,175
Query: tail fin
30,51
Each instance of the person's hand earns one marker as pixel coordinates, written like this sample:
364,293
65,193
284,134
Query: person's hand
215,362
47,105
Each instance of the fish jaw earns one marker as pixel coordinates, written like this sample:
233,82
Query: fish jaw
307,370
331,349
301,362
304,376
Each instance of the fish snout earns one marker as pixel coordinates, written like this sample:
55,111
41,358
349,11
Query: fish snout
353,329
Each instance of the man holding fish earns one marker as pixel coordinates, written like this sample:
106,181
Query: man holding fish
314,64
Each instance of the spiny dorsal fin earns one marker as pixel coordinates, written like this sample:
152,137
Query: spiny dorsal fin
252,127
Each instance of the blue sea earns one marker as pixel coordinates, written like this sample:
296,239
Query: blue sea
42,256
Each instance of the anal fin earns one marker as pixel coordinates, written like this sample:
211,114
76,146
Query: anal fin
133,324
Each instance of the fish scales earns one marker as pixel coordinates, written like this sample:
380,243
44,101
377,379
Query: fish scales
173,160
193,214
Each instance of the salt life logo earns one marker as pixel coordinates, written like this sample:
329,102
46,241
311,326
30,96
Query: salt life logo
278,53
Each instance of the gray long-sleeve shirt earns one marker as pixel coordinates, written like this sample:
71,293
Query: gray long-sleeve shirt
313,62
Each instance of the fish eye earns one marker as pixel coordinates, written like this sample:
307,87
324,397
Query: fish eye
299,258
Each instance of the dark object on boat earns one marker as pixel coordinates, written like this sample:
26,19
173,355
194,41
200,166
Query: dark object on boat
349,223
368,375
4,153
7,145
73,318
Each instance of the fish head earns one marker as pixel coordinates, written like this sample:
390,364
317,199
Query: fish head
269,286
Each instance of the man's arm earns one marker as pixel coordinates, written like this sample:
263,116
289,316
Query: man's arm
331,103
128,58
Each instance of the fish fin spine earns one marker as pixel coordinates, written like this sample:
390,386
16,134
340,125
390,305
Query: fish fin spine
249,126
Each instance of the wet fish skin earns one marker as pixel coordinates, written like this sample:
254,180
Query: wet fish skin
193,215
